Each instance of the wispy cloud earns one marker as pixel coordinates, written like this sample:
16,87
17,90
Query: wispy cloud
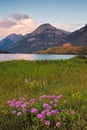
18,16
16,23
68,27
6,23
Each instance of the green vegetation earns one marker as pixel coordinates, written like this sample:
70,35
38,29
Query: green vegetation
32,79
82,53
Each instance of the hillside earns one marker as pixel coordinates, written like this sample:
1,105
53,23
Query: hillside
79,37
63,50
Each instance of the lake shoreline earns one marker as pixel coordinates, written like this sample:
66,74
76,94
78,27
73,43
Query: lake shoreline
7,57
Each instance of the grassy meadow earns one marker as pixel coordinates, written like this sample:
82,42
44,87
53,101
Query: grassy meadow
31,79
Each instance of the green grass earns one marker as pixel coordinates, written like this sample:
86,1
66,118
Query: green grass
67,77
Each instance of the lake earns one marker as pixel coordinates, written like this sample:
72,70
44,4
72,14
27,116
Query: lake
8,57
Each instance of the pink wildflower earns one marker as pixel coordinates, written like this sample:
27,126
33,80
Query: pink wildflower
8,102
55,105
72,112
40,116
24,110
63,110
23,106
19,113
48,96
55,111
59,96
32,100
18,104
14,112
22,99
65,101
33,110
48,113
26,80
53,96
45,105
42,97
55,100
47,122
51,102
58,124
12,105
43,112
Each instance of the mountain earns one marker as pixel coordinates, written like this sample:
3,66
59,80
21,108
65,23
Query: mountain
9,40
49,29
43,37
79,37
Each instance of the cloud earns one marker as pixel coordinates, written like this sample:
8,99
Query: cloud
69,27
18,16
6,23
23,26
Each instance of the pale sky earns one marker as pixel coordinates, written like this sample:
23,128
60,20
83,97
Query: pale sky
23,16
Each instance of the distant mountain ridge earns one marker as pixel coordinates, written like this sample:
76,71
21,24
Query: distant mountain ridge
45,36
79,37
9,40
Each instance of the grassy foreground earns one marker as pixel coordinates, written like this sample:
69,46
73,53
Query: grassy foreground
35,78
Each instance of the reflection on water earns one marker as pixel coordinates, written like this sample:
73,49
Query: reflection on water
7,57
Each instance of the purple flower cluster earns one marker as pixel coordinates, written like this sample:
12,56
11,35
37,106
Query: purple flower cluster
19,106
49,108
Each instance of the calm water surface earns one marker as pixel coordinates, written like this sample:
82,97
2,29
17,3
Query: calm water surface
8,57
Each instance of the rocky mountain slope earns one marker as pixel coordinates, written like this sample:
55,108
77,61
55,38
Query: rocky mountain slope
9,40
79,37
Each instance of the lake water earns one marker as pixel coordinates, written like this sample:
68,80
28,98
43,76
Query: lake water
8,57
